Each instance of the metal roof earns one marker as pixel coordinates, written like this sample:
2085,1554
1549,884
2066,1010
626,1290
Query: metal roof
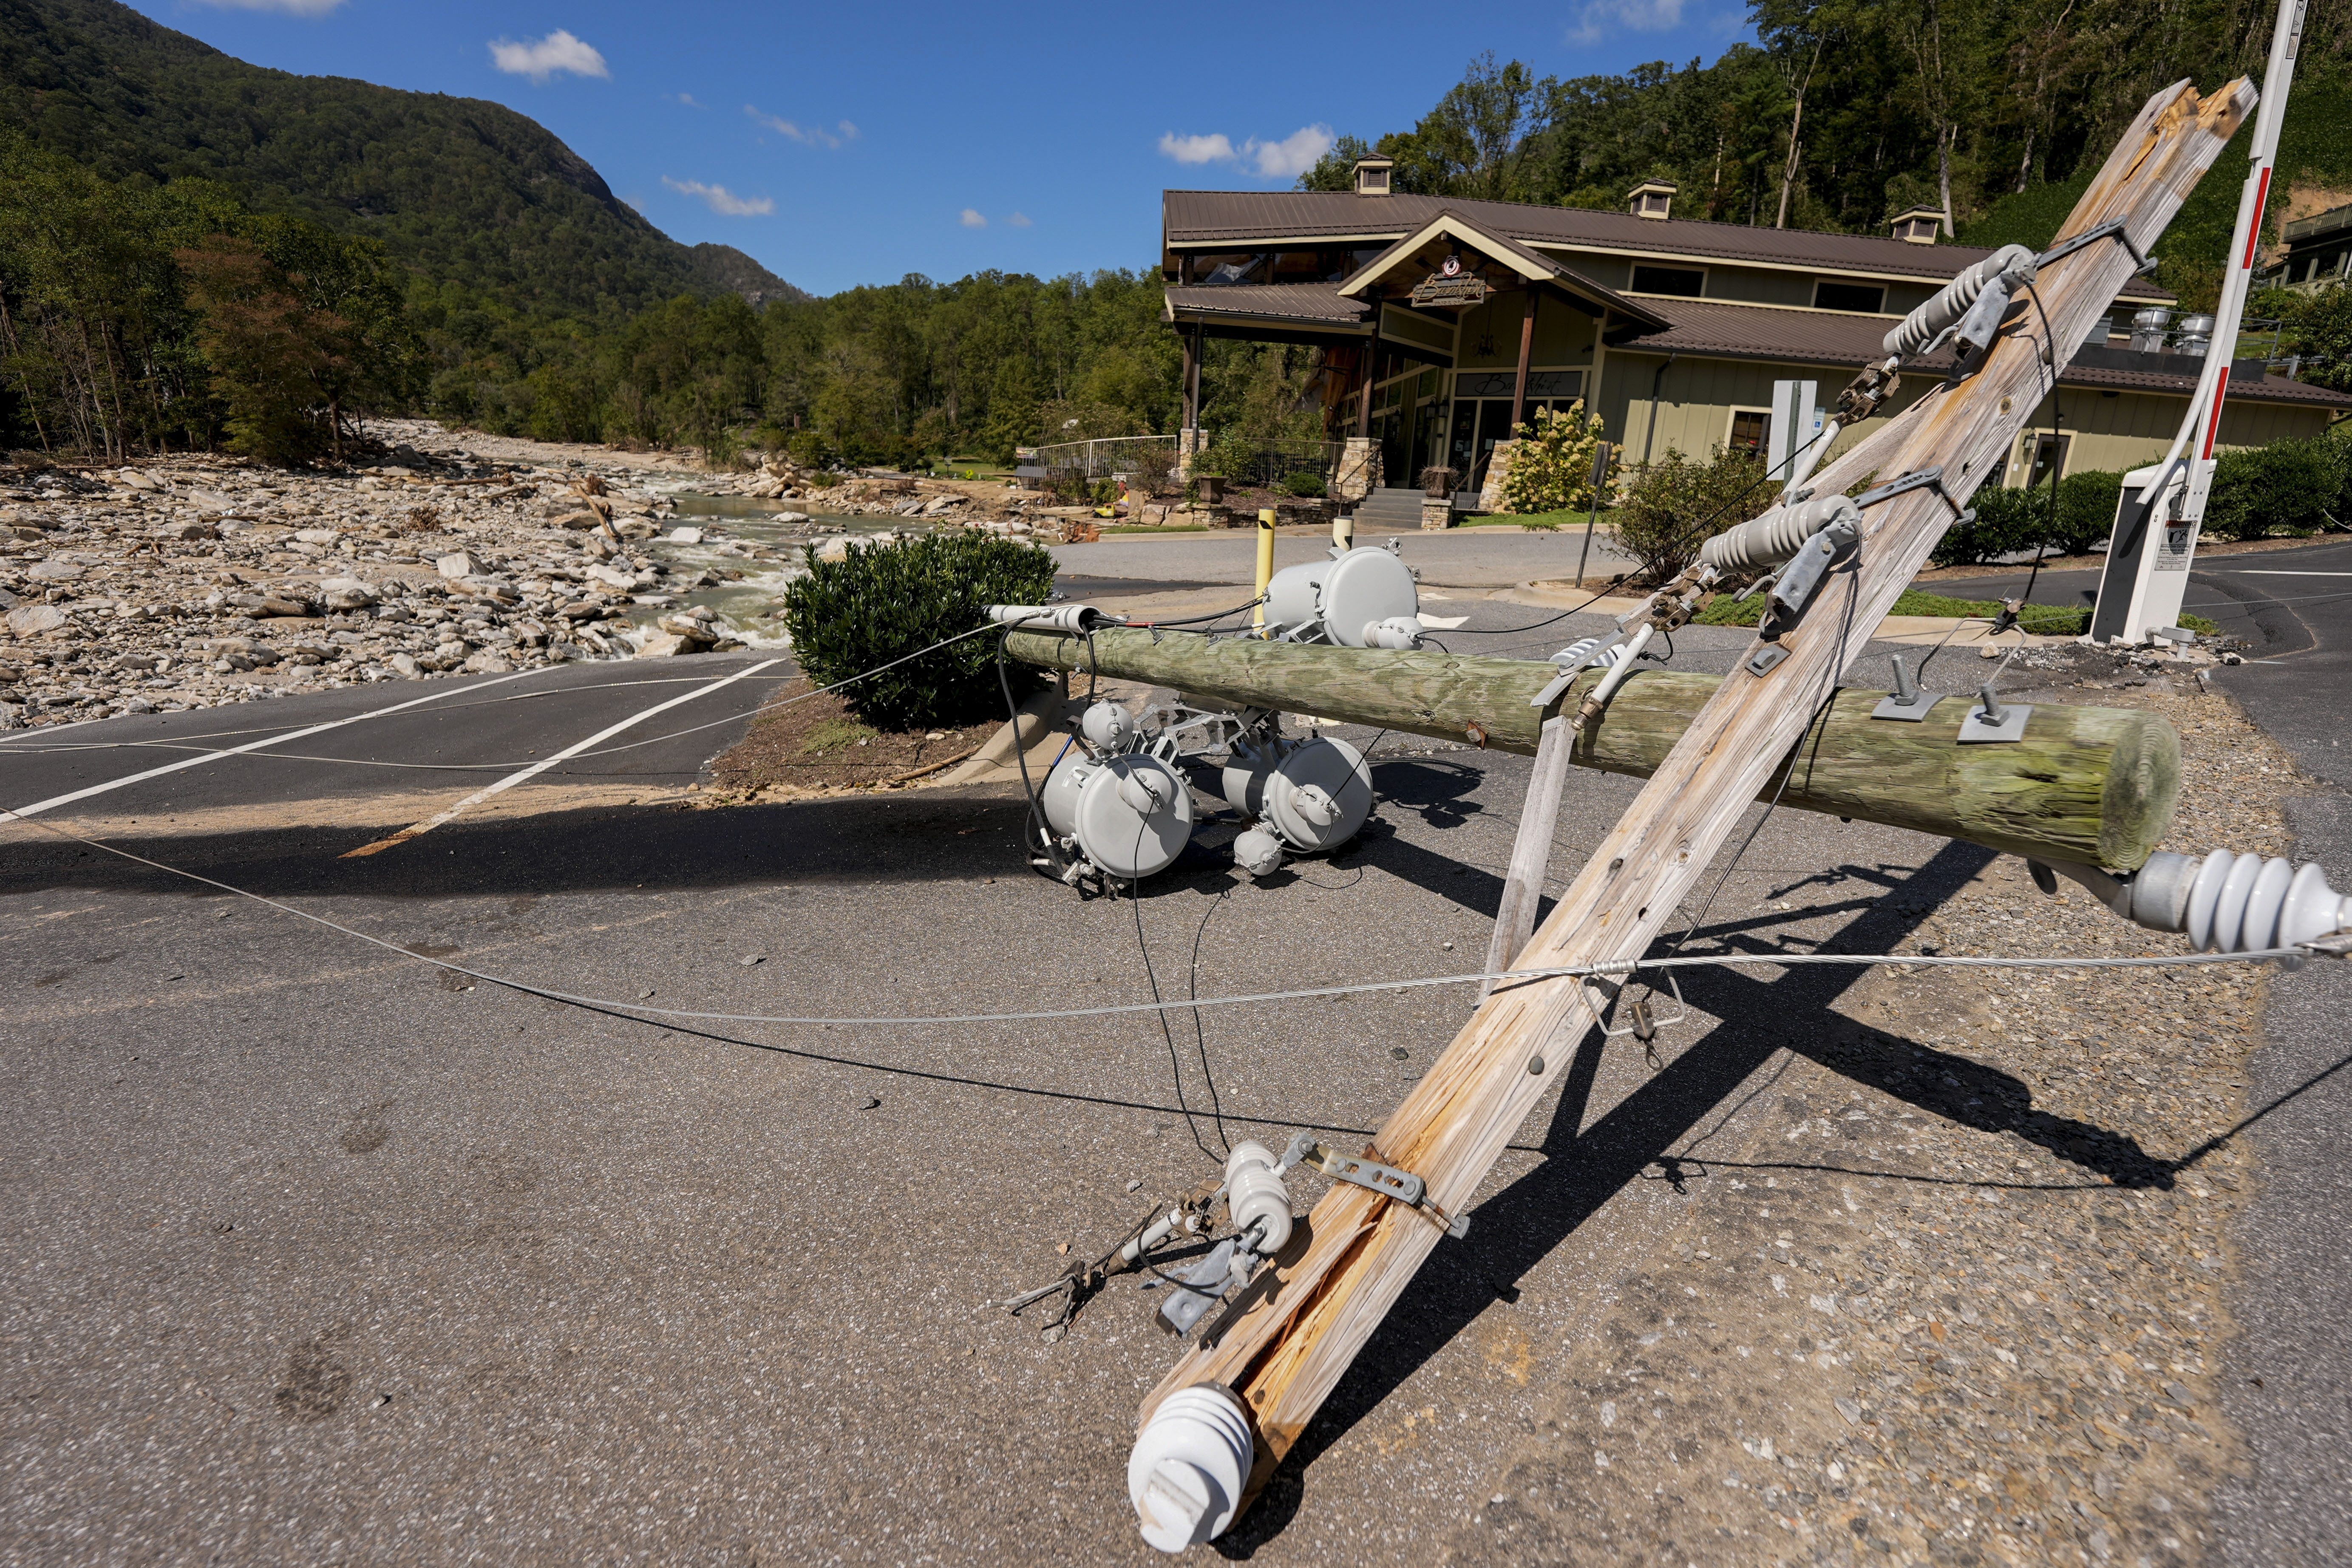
1193,219
1321,303
1707,329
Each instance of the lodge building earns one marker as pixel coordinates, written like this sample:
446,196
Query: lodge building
1443,322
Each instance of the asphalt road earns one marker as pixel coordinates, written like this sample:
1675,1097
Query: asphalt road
318,1253
2277,599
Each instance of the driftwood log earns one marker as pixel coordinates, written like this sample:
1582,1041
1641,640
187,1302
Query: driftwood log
2091,785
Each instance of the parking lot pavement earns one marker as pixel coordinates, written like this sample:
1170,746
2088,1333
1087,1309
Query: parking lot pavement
319,1253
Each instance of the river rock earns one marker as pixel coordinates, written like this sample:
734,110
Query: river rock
57,568
458,566
318,536
347,593
684,537
490,662
34,620
665,644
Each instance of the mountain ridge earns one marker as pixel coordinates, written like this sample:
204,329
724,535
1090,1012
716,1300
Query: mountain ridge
460,190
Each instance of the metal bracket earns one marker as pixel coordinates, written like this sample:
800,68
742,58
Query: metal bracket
1929,478
2112,229
1761,662
1993,722
1387,1180
1645,1025
1906,702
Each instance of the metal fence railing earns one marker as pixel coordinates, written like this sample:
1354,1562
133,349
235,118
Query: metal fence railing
1271,461
1101,459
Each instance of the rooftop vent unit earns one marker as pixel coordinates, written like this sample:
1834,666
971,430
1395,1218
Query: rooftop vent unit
1372,175
1919,225
1653,199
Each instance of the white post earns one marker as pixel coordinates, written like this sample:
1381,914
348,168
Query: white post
2155,541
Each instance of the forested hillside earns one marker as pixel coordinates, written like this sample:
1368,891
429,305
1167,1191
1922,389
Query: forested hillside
1846,111
464,192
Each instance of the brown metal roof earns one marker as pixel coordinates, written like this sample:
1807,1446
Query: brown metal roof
1707,329
1321,303
1191,219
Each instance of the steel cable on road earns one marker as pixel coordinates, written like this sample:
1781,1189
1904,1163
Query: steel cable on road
1627,966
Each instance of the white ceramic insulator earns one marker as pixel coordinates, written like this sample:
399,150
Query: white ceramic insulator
1257,1196
1923,325
2244,904
1106,726
1258,852
1185,1474
1397,632
1314,803
1777,535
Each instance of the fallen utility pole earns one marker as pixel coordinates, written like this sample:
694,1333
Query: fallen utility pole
2092,786
1301,1322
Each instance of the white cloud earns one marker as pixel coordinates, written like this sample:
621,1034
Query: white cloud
1196,149
813,135
1018,221
559,51
972,218
1284,159
291,7
1599,18
1293,155
688,99
721,200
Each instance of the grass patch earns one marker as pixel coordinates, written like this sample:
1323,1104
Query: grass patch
834,734
2041,619
1547,522
1147,528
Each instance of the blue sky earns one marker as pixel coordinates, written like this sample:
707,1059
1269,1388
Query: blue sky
855,142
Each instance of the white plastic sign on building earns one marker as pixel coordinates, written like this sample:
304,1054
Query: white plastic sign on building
1797,418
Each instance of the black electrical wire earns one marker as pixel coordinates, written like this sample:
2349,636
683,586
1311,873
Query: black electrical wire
1199,619
1028,791
1160,1011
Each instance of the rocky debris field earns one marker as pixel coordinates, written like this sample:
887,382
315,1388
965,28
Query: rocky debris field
193,580
1971,1310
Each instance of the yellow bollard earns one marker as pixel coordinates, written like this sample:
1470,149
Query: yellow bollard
1265,562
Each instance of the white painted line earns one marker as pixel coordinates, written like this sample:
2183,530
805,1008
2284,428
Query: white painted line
512,779
2257,571
197,761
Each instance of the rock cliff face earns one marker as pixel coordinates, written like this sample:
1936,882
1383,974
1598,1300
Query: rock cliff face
462,188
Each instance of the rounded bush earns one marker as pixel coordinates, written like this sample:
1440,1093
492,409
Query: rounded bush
883,601
2293,485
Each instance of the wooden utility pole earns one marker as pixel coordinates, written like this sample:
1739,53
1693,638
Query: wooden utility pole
1287,1349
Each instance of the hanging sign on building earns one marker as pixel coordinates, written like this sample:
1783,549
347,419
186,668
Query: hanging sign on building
1449,285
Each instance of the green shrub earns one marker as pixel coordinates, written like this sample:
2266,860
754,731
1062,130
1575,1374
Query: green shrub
1552,466
1674,504
2295,485
2086,510
2006,521
884,602
809,449
1304,484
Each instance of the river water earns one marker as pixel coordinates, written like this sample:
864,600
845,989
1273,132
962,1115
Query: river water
751,607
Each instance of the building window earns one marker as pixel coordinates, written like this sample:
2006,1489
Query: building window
1868,299
1751,428
1684,282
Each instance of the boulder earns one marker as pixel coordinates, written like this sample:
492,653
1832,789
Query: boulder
490,662
316,535
460,565
614,577
664,645
684,537
191,531
57,568
34,620
347,593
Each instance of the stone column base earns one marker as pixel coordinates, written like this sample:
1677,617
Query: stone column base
1499,470
1360,470
1436,514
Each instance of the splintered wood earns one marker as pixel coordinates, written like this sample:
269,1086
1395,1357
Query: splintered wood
1305,1320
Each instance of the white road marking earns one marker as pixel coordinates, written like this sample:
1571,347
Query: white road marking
67,799
2257,571
512,779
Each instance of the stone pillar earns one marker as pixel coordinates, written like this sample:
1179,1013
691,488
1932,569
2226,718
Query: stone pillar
1189,445
1499,470
1436,514
1360,470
